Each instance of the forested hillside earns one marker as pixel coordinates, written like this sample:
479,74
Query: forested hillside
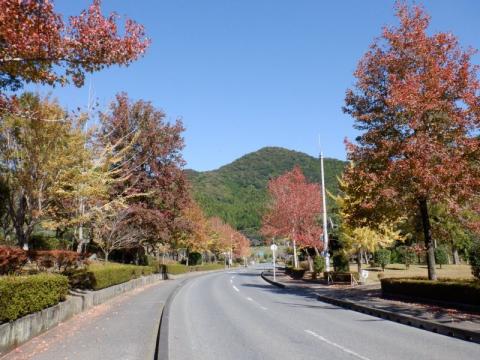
237,192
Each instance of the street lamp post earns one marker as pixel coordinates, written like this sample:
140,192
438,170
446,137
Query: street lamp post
325,225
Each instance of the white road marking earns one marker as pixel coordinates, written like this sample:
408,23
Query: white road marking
263,308
344,349
236,289
231,281
249,299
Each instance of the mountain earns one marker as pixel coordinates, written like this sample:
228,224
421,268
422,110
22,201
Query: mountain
237,192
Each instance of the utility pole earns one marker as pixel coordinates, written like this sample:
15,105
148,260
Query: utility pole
325,219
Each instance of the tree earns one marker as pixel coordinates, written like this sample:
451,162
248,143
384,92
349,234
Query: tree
39,46
37,143
294,210
416,103
196,238
113,231
362,229
150,168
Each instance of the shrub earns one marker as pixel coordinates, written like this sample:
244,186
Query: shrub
407,255
99,276
22,295
304,265
446,290
61,260
340,263
319,264
474,257
12,259
441,256
297,273
395,257
176,269
382,257
194,258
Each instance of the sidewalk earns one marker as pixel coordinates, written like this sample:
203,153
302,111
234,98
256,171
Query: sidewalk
125,327
367,299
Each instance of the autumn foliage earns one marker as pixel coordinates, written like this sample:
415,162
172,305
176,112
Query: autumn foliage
39,46
416,104
294,210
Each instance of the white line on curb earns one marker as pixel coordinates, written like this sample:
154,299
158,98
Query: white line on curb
344,349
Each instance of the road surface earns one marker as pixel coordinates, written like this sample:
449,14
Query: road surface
237,315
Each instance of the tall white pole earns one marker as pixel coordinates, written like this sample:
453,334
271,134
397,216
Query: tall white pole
325,220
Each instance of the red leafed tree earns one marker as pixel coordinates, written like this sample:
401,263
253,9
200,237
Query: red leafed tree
150,173
294,210
416,102
38,46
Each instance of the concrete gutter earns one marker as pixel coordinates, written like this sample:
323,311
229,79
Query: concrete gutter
463,334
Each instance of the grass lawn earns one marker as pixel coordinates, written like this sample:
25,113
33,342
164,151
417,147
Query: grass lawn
398,270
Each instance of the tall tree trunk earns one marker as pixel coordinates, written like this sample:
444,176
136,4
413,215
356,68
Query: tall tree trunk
456,258
359,261
427,233
310,262
317,253
295,257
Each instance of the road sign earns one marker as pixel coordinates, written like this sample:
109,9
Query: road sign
273,247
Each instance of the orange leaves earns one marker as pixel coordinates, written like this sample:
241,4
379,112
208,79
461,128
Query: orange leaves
416,102
294,209
38,46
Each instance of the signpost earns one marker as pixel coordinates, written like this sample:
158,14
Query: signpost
274,247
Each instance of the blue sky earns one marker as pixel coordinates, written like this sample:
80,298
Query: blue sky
244,74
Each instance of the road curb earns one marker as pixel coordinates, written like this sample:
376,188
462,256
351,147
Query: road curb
278,284
467,335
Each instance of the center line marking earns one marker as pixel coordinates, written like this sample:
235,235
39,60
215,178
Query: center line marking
344,349
236,289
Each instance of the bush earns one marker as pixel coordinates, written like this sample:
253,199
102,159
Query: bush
297,273
382,257
407,255
441,256
194,258
99,276
12,259
22,295
176,269
395,257
319,264
61,260
474,258
340,263
304,265
446,290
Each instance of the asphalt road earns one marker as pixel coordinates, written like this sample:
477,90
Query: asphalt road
237,315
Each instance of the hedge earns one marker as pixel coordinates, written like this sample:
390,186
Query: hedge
176,269
445,290
100,276
22,295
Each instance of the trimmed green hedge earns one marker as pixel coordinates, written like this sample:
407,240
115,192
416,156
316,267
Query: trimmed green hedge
176,269
22,295
100,276
446,290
